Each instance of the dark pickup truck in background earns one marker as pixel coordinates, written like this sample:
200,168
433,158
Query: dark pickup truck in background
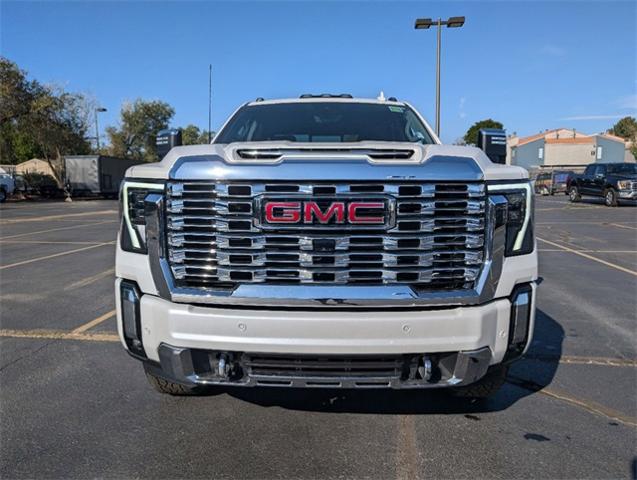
611,181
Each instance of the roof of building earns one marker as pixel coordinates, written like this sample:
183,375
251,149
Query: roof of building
574,137
572,140
612,137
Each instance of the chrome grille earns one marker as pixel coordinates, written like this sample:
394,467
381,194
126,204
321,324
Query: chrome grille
437,241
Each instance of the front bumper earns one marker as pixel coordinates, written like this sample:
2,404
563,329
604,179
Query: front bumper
628,194
462,341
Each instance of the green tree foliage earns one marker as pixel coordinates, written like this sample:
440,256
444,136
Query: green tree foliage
139,123
626,128
38,120
191,135
471,137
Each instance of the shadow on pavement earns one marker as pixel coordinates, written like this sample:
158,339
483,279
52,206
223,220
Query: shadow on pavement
532,373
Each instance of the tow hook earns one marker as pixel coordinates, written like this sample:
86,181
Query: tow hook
424,370
223,367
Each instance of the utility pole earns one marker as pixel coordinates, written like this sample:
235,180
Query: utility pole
426,23
97,128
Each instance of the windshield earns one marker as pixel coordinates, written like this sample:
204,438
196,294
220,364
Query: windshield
622,169
324,122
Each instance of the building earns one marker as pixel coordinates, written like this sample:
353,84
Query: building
564,147
35,165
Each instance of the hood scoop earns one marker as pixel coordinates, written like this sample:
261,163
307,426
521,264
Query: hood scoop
372,153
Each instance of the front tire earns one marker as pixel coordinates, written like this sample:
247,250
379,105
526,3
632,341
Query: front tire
170,388
610,197
574,195
3,195
487,386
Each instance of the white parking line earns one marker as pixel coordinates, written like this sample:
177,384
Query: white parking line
590,257
9,221
56,229
622,226
68,252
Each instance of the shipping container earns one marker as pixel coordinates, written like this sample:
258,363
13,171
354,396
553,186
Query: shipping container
95,174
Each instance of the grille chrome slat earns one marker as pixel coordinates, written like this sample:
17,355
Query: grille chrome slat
437,243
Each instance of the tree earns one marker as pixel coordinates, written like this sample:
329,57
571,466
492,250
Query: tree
191,135
140,122
626,128
471,137
38,120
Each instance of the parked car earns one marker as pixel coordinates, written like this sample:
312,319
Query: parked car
550,183
7,186
326,242
611,181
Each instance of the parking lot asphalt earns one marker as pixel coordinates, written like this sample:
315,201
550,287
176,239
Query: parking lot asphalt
73,404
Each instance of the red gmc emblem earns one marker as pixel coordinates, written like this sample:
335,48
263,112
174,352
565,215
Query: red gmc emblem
292,213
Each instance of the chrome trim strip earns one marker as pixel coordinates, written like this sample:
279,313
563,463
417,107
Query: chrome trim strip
437,168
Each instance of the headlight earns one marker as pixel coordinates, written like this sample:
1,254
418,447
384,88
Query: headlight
624,184
132,196
519,225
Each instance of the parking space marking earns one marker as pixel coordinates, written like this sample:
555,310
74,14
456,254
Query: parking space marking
88,280
94,322
622,226
585,251
46,242
578,223
590,257
588,405
592,407
46,257
407,450
57,229
60,335
567,204
577,360
9,221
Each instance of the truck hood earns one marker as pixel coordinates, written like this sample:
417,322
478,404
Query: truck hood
623,176
374,161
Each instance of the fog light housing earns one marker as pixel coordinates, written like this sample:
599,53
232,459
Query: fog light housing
521,301
131,318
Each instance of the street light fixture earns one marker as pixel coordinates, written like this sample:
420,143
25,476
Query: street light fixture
426,23
97,128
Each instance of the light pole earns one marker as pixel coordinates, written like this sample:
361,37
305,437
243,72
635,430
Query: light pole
425,23
97,128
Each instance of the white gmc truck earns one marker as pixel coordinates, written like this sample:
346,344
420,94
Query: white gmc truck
326,241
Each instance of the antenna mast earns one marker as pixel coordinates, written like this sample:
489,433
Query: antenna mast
210,103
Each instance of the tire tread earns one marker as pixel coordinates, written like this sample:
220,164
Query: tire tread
487,386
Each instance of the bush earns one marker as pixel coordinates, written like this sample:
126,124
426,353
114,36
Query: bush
36,180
